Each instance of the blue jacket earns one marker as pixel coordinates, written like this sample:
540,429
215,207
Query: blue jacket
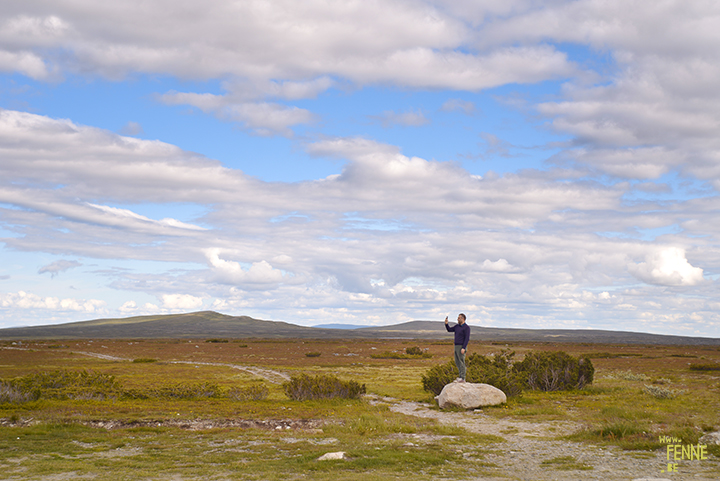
462,334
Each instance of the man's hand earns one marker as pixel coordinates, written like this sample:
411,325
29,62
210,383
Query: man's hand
462,351
446,320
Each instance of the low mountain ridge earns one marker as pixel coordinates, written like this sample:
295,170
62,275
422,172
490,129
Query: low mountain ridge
210,324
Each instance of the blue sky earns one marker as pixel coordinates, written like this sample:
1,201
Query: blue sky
535,165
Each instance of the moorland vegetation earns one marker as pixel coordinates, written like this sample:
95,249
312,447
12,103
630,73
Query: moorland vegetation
202,409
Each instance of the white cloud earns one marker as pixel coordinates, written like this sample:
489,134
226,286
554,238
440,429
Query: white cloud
306,45
230,272
667,267
27,300
181,301
126,214
500,265
26,63
262,118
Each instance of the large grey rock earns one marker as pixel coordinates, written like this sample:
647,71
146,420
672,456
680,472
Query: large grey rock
469,395
711,438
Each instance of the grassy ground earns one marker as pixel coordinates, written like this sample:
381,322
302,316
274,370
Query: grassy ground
161,438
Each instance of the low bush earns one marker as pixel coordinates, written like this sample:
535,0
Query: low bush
312,354
144,359
186,391
704,367
66,384
662,392
256,392
410,353
496,371
555,371
11,394
544,371
304,387
627,376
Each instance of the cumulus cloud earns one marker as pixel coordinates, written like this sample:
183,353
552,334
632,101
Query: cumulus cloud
57,267
557,239
230,272
26,63
667,267
181,301
402,43
27,300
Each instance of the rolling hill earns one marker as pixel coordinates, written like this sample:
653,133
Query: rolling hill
209,324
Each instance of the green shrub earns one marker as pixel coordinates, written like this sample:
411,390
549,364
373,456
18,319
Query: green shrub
216,340
414,351
144,359
256,392
312,354
704,367
11,394
304,387
496,371
544,371
65,384
402,355
438,376
555,371
185,391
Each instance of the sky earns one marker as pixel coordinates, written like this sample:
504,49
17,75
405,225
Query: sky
550,164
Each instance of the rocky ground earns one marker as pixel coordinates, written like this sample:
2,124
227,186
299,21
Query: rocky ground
528,444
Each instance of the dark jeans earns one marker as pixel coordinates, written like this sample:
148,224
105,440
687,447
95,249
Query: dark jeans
460,360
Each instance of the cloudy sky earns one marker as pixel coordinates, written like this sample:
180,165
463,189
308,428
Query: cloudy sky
537,164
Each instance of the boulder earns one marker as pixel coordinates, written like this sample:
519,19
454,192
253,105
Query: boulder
711,438
470,395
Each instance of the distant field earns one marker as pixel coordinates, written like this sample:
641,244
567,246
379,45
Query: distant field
276,438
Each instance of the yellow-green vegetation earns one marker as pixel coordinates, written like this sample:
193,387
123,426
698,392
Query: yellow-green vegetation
304,387
541,371
203,415
565,463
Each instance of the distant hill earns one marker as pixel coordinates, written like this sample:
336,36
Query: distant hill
209,324
340,326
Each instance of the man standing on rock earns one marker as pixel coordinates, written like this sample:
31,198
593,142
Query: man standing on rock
462,336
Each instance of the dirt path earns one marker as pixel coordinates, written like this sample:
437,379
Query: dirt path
528,444
275,377
269,375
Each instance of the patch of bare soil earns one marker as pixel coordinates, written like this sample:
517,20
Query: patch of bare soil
528,444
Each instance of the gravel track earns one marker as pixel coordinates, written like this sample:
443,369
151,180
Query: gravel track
528,444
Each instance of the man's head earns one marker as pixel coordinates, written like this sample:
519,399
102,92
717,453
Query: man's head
461,318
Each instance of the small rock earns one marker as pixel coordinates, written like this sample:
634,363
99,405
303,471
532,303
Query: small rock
711,438
331,456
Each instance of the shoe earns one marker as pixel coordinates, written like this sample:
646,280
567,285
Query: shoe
459,380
